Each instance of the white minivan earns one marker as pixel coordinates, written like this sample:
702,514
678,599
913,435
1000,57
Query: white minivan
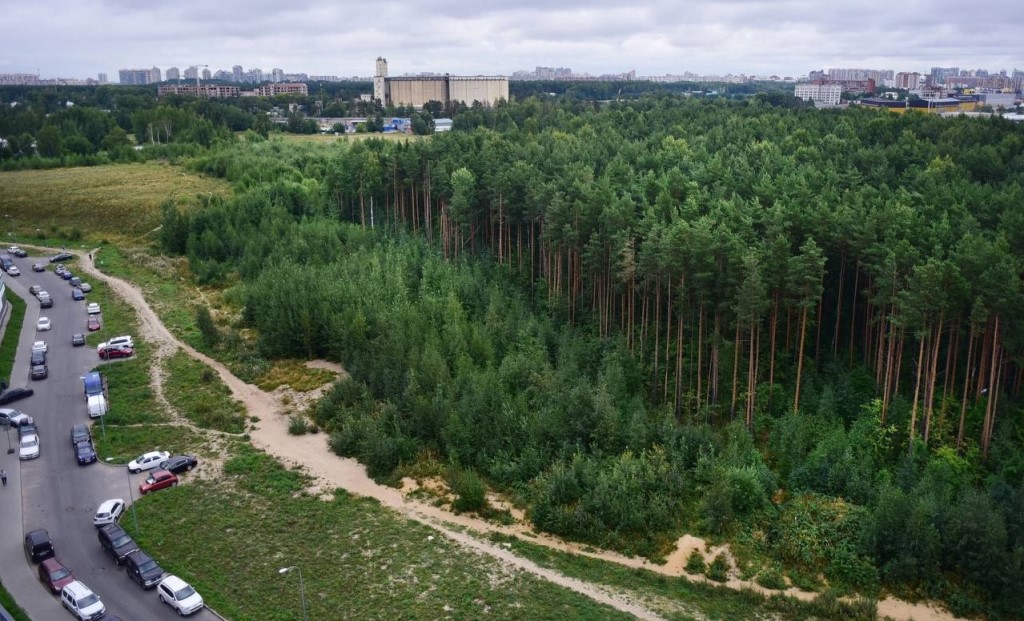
97,406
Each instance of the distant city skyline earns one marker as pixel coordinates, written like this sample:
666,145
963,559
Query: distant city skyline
82,38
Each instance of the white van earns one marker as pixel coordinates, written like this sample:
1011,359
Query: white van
97,406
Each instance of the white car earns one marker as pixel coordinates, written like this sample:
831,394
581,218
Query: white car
108,512
13,271
81,601
147,461
29,448
39,346
118,341
179,595
14,418
43,324
93,308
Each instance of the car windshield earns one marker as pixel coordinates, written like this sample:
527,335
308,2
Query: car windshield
150,480
60,574
122,540
186,592
88,600
29,442
148,566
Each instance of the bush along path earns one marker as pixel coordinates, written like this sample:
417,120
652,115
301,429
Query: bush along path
310,451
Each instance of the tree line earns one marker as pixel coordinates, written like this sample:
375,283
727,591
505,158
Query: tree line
795,327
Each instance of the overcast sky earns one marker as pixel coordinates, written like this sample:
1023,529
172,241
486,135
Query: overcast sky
80,38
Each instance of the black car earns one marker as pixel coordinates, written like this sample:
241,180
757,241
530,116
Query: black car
141,568
38,357
80,433
46,302
14,394
179,463
116,543
40,372
85,453
38,545
66,275
76,294
61,256
77,339
18,252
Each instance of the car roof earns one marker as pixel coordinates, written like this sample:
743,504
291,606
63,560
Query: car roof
77,588
173,582
38,535
52,563
109,504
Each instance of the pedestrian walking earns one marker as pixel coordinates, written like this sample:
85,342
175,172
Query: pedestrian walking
3,477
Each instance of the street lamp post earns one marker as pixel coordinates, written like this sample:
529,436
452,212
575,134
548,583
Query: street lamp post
131,497
7,426
302,588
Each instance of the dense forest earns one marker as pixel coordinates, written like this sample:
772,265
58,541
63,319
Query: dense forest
795,330
799,330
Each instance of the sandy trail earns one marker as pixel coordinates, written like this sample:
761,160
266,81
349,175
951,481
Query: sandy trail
331,472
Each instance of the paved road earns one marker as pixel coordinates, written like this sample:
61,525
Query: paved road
56,493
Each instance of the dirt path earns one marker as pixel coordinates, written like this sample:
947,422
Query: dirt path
331,472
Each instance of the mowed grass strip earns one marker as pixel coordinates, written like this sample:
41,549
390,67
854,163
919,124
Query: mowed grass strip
120,444
118,201
9,347
199,394
230,537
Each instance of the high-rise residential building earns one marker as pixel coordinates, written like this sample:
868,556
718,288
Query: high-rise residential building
173,74
236,73
191,73
907,80
206,74
154,75
820,94
101,78
139,76
278,74
223,75
255,75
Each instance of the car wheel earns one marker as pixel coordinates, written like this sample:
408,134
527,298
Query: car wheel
136,471
180,613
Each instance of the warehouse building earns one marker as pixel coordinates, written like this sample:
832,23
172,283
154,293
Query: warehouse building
416,91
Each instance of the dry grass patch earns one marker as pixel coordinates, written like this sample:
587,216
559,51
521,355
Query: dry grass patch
114,202
296,375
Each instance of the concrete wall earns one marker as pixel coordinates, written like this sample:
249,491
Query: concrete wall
485,90
416,91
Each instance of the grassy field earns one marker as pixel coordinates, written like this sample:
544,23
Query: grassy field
115,202
12,607
201,396
9,347
358,560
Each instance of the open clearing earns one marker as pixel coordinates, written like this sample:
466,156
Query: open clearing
112,202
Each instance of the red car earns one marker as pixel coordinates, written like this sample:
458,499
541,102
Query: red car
55,575
159,479
109,353
93,323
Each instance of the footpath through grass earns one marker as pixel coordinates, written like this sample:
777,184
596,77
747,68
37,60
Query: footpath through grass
9,347
358,560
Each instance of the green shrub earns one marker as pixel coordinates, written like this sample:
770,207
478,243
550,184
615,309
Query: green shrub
695,563
470,490
771,578
297,425
718,570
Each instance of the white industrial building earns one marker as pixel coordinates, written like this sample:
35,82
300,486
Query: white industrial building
820,94
416,91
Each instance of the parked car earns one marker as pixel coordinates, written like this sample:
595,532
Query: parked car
29,447
80,433
13,271
81,601
60,269
85,453
179,463
119,341
16,251
38,267
93,323
93,308
61,256
38,546
147,461
14,394
108,512
37,357
85,287
28,429
66,275
141,568
77,295
74,281
39,346
40,371
116,543
6,263
77,339
158,480
45,301
109,353
35,289
179,595
43,324
14,417
96,405
55,575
